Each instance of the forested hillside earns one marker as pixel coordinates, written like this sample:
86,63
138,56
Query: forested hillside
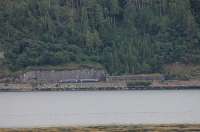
125,36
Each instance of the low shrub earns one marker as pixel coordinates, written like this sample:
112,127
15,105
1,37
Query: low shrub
181,71
138,83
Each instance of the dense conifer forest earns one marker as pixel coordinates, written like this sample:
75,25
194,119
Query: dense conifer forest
124,36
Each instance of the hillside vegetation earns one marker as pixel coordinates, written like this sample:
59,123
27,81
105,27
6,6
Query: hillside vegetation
124,36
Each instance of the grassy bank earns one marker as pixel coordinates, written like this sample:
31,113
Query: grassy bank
178,71
114,128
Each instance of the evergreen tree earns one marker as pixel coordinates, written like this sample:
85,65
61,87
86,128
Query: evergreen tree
125,36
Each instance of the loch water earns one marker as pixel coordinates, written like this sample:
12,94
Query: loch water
38,109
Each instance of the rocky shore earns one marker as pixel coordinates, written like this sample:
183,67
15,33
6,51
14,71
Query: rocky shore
99,86
113,128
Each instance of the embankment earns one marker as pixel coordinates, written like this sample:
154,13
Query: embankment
98,86
114,128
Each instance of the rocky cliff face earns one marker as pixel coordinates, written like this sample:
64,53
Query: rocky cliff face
52,76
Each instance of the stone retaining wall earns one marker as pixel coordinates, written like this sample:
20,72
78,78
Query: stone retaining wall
145,77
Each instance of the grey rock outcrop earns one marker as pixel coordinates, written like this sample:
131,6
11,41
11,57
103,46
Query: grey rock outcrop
53,76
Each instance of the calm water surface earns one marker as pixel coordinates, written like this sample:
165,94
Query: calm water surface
89,108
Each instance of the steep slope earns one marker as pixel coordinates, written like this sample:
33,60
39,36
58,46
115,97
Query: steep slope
125,36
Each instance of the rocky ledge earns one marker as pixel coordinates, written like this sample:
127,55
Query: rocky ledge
99,86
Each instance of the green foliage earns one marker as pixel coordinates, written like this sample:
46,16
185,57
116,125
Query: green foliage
181,71
138,83
125,36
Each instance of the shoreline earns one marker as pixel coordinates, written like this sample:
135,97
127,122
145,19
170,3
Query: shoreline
142,88
100,86
113,128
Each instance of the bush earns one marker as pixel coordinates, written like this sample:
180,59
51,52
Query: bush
181,72
139,83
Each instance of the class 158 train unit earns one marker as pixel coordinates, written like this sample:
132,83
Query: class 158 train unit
78,80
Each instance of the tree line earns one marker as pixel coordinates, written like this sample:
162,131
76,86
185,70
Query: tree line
124,36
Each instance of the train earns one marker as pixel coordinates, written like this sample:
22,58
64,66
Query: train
79,80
